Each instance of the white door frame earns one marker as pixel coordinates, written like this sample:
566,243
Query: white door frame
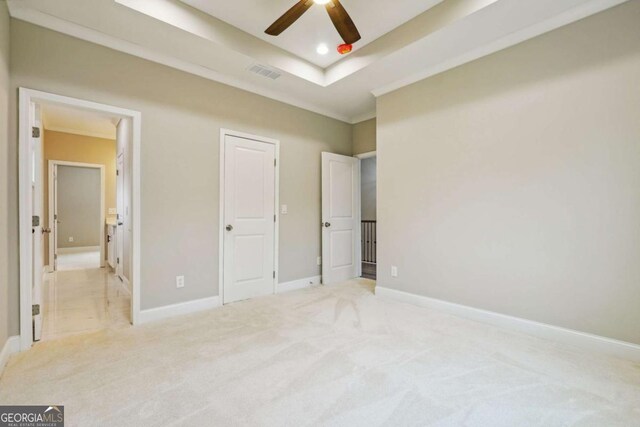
221,225
52,242
361,157
26,96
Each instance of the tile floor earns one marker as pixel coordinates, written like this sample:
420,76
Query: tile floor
331,356
89,258
79,301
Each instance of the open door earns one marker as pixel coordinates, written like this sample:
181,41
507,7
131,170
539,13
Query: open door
37,229
120,208
53,254
340,217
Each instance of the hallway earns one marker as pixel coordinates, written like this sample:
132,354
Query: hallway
85,300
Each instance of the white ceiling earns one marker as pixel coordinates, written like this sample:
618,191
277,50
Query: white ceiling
373,18
212,45
79,122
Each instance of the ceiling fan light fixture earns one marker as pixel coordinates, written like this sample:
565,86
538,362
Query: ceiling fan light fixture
322,49
321,1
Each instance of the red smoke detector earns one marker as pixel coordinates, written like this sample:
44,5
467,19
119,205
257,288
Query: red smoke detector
345,48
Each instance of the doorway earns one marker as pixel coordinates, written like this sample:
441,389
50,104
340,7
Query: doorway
76,214
66,212
249,216
368,214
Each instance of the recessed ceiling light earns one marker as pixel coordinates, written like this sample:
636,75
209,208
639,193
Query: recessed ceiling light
322,49
322,1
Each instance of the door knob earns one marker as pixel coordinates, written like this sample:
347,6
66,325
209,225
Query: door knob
327,224
46,230
229,227
120,224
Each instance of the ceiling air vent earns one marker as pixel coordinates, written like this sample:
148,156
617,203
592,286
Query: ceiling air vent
263,71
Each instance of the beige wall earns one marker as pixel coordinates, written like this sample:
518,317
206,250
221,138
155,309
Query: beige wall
512,184
4,177
364,137
181,120
83,149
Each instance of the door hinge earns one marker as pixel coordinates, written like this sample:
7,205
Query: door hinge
274,163
35,132
274,274
55,256
274,218
117,172
118,260
35,221
35,309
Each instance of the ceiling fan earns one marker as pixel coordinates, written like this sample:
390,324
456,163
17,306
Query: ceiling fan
339,16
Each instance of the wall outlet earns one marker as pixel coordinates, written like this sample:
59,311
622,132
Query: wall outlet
284,209
319,260
179,281
394,271
71,239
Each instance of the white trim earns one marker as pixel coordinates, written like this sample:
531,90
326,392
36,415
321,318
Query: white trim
179,309
366,155
11,346
26,96
512,39
223,133
78,249
295,285
103,203
589,342
80,132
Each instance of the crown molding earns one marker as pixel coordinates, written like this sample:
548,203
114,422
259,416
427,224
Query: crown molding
512,39
24,13
363,117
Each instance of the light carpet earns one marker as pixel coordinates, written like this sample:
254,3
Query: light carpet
335,356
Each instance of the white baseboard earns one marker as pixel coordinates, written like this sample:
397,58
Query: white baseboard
78,249
589,342
10,347
297,284
153,314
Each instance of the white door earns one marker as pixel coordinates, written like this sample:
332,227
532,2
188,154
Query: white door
37,213
340,217
249,219
120,208
54,221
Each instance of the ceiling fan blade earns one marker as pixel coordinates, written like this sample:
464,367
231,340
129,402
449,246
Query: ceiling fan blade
289,17
343,22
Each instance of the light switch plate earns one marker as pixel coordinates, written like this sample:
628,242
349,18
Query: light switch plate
394,271
179,281
284,210
71,239
319,260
